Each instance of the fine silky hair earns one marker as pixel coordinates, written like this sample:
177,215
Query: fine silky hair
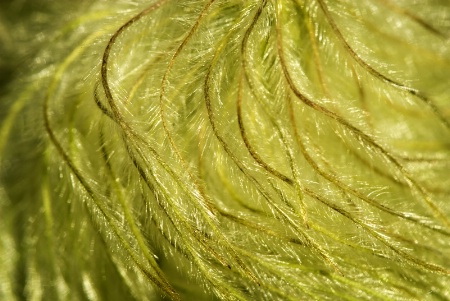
225,150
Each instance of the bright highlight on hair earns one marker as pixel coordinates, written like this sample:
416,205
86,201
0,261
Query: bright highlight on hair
227,150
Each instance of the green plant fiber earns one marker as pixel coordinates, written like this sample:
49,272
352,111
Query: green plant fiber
225,150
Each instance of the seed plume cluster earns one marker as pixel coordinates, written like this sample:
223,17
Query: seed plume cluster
225,150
